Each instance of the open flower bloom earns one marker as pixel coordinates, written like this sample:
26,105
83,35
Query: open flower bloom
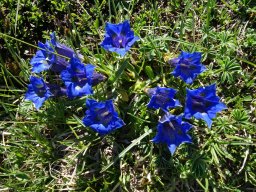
202,103
46,58
43,59
172,131
102,117
119,38
162,97
188,66
78,78
38,92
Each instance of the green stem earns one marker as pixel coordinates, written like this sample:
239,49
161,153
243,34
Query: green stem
24,42
134,143
10,37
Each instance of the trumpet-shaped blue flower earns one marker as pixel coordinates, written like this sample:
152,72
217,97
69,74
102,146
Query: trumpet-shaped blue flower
38,92
56,90
61,49
46,59
43,59
102,117
172,131
163,98
202,103
78,78
119,38
188,66
97,78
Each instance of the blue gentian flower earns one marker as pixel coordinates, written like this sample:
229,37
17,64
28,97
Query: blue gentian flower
202,103
61,49
38,92
78,78
43,59
102,117
119,38
56,90
97,78
172,131
188,66
163,98
46,59
59,65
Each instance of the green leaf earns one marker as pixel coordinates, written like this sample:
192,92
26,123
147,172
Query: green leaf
134,143
149,72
